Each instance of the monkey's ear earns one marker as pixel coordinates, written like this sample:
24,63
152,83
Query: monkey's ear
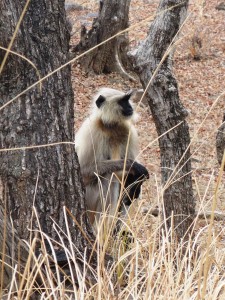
99,101
127,97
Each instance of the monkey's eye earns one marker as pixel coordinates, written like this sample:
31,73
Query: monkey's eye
127,109
100,101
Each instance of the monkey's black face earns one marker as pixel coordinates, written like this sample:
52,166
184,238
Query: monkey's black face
112,106
127,109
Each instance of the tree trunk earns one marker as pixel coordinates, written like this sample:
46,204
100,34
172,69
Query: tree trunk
10,248
111,56
47,177
220,142
168,112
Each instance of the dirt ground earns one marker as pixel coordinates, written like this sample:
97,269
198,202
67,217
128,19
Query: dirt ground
201,82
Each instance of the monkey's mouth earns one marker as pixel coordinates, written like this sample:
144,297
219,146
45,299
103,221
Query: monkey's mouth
128,113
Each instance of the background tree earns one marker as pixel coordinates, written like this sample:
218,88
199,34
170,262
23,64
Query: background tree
110,57
168,112
46,177
220,141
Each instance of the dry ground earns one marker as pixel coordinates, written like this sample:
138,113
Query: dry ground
200,84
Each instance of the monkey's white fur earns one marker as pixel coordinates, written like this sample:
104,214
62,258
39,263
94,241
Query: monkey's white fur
93,145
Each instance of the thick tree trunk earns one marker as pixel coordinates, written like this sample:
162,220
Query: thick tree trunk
110,57
47,177
168,112
220,142
12,249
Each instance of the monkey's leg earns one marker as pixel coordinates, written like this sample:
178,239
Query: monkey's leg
108,189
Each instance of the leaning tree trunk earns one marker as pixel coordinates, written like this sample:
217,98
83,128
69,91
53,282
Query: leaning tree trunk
168,112
111,56
46,177
220,142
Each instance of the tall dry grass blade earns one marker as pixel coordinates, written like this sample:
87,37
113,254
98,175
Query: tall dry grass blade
11,287
37,146
209,237
25,274
14,35
3,249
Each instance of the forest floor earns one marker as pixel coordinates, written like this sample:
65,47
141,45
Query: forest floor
201,82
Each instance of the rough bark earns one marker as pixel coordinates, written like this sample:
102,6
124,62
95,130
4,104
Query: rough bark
110,57
12,249
220,142
167,112
47,177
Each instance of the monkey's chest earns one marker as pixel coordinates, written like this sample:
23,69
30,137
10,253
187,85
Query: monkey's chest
113,148
114,141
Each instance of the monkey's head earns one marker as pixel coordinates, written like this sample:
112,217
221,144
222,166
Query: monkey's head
113,106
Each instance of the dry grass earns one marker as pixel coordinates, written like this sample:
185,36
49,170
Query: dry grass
153,266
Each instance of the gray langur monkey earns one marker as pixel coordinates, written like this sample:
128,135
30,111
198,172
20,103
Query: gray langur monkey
106,144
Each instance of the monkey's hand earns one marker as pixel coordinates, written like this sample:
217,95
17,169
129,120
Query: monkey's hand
137,175
139,171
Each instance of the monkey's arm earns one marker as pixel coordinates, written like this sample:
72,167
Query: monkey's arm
108,167
133,183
